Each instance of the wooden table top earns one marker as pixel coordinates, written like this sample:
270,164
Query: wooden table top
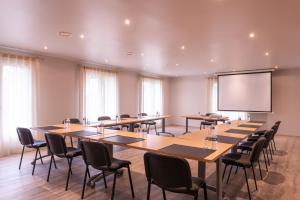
204,117
154,143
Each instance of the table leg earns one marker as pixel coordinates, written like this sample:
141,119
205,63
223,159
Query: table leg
186,126
219,179
201,169
131,127
163,128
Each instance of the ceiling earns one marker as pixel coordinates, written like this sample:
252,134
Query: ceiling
215,33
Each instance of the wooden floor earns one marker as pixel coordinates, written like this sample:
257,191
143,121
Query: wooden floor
281,182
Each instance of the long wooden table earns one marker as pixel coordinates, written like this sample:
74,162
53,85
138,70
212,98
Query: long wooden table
155,143
201,117
132,121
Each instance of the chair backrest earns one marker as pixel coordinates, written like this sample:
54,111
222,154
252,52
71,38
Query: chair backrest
167,171
56,144
72,121
209,114
25,136
268,135
257,149
104,118
143,114
124,116
95,154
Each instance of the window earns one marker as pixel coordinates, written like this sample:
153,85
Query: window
151,96
100,93
213,91
17,100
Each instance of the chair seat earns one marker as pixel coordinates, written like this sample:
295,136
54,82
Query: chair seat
253,138
149,122
207,123
127,125
118,164
73,152
114,128
38,144
237,159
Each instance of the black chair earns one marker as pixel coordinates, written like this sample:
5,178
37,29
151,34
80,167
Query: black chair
103,118
245,161
149,123
26,139
171,174
275,128
206,123
72,121
127,125
97,156
57,146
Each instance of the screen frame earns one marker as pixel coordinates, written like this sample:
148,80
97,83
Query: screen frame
249,111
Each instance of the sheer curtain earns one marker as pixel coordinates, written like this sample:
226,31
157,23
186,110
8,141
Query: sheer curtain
99,93
151,96
213,101
18,82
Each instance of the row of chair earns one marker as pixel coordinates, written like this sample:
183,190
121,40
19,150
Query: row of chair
174,174
248,153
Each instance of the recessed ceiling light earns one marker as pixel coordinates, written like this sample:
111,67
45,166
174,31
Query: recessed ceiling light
212,60
45,48
127,22
276,67
106,60
182,47
267,54
177,64
142,54
233,70
251,35
129,53
65,34
81,36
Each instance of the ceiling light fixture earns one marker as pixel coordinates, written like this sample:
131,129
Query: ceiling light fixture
45,48
81,36
182,47
177,64
276,67
127,22
212,60
251,35
267,54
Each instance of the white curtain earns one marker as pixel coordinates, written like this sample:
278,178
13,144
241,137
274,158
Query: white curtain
99,93
151,96
213,102
18,82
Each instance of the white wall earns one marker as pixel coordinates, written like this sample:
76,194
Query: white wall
188,95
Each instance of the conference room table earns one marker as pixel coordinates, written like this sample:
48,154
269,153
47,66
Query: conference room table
134,120
192,146
202,117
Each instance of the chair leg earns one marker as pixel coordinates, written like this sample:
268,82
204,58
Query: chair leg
268,156
71,140
114,186
155,130
34,162
54,162
270,153
21,157
50,168
274,144
224,172
104,179
196,196
88,172
130,180
69,164
84,182
260,170
236,170
229,174
246,177
40,156
69,173
271,147
254,176
148,190
265,160
148,128
164,194
205,191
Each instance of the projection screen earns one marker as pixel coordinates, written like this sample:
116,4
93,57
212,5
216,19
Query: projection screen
247,92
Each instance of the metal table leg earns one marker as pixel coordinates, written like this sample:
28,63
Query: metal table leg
163,128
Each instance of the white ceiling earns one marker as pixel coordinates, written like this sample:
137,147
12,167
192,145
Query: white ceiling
209,29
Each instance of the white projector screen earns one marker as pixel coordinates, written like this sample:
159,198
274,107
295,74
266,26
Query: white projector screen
249,92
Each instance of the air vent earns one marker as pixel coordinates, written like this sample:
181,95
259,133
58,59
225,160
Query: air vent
65,34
